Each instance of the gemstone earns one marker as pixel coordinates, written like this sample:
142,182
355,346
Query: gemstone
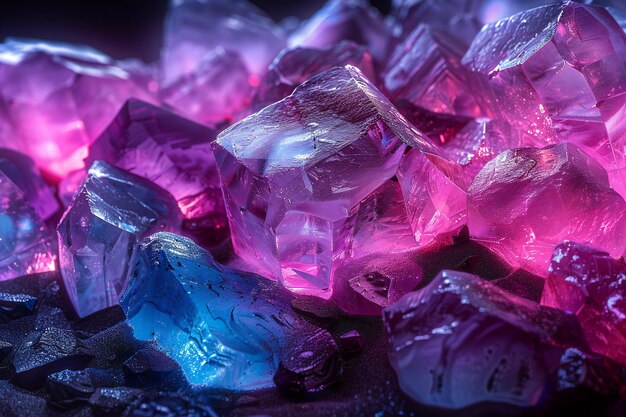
61,97
21,170
67,187
172,152
101,229
528,200
45,352
425,69
15,306
106,402
215,92
351,342
25,244
194,28
309,365
306,180
556,73
225,328
70,389
461,340
152,368
340,20
294,66
589,283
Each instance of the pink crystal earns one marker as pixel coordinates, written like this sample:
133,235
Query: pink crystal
589,283
556,73
172,152
297,176
529,200
59,98
461,340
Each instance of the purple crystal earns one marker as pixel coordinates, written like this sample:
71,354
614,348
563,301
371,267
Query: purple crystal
194,28
461,340
305,180
294,66
529,200
351,342
439,127
100,230
341,20
175,154
61,97
589,283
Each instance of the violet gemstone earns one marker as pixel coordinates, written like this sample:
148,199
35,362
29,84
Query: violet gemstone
25,243
529,200
339,20
172,152
225,328
461,340
215,92
590,283
294,66
302,178
556,73
195,28
59,98
100,230
21,170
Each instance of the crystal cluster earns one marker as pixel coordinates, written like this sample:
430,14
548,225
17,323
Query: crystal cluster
241,223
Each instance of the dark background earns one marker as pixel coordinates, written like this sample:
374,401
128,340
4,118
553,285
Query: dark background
120,28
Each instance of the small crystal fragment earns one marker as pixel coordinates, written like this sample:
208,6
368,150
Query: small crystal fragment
151,368
578,369
100,230
461,340
106,402
14,306
529,200
351,342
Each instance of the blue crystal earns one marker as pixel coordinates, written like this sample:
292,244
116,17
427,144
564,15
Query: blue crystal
226,328
100,231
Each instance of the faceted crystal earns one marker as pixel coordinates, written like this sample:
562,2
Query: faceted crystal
172,152
25,243
556,72
194,28
100,230
461,340
340,20
227,329
294,66
21,170
529,200
302,180
216,91
590,283
439,127
425,69
61,97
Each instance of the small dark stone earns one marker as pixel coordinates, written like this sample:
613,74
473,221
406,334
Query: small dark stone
45,352
154,369
108,402
5,350
322,312
309,364
70,389
351,342
100,320
168,405
15,306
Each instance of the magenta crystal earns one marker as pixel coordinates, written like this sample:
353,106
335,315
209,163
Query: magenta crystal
100,231
59,98
589,283
300,179
461,340
556,73
529,200
172,152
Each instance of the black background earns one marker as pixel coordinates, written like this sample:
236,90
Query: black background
120,28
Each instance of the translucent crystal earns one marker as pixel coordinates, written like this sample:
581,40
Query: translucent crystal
100,230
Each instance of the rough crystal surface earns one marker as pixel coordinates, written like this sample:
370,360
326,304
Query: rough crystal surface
225,328
61,97
590,283
529,200
461,340
99,233
69,389
172,152
305,179
14,306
